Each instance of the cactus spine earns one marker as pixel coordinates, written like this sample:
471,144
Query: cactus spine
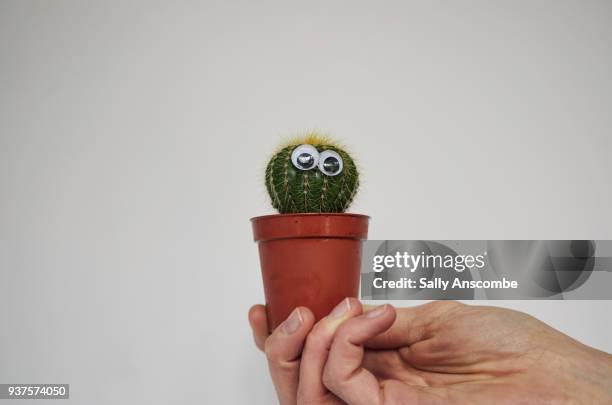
294,190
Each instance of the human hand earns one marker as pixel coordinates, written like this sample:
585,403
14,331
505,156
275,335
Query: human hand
297,351
446,352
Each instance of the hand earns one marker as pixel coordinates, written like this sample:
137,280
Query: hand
446,352
297,351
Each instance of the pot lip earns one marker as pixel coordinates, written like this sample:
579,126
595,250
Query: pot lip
310,225
310,214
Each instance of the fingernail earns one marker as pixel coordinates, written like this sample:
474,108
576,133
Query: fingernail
341,308
378,311
292,323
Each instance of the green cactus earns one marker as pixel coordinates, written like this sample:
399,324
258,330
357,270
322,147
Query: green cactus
311,174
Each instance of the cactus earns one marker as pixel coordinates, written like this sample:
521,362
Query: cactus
311,174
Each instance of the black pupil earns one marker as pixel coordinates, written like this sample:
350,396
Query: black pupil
305,160
331,165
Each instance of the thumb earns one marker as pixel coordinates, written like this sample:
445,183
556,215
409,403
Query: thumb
411,325
343,374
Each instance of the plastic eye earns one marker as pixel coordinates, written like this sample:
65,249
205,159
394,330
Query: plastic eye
305,157
330,163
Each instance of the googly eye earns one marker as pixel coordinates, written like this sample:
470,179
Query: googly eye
330,163
305,157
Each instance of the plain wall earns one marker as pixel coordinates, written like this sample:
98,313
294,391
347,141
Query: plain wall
134,135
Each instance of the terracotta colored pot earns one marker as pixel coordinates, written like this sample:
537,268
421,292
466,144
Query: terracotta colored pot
310,260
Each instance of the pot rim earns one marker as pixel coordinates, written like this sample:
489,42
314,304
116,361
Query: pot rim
310,225
310,214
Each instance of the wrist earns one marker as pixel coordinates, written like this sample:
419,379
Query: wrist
601,372
589,376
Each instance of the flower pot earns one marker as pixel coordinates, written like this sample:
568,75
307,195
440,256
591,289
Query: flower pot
310,260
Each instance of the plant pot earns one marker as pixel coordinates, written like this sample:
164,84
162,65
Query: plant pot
310,260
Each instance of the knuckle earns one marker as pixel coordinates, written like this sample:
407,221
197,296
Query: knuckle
313,343
344,330
317,336
452,304
444,305
271,349
329,377
276,359
285,367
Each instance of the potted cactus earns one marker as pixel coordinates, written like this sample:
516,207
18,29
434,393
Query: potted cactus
310,252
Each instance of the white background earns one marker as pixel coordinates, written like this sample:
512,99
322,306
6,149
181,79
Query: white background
134,135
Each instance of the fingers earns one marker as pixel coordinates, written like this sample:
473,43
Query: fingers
259,325
283,349
412,324
311,389
343,374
